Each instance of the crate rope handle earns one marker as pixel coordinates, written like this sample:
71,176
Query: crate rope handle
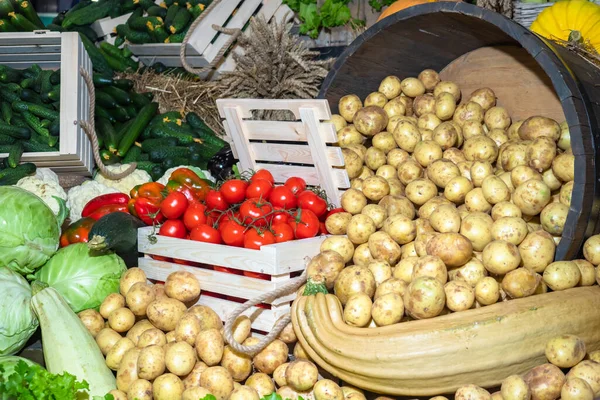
288,288
89,128
234,32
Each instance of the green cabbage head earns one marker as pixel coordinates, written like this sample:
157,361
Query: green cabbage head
17,320
29,231
82,277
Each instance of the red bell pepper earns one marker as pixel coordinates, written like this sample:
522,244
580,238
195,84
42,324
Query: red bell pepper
103,200
108,209
145,202
77,232
186,181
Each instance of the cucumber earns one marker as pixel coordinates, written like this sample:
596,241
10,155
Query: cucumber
99,63
93,12
14,87
25,83
156,11
120,114
34,123
198,160
196,10
163,153
180,22
55,77
85,30
27,10
14,155
102,81
121,96
6,26
160,34
119,41
195,121
138,100
133,155
178,37
171,13
14,131
209,138
56,105
129,5
102,113
31,96
155,170
206,152
143,118
54,127
163,131
133,36
108,158
105,100
10,176
55,28
46,85
115,64
111,51
108,133
6,7
138,12
22,23
8,96
6,111
8,74
116,232
146,4
6,139
124,84
32,146
78,6
126,52
141,23
35,109
60,17
151,144
131,111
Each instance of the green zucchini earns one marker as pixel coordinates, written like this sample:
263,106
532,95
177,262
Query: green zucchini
156,11
14,155
141,120
108,158
116,232
35,109
180,22
102,81
108,133
131,111
129,5
160,34
133,155
121,96
93,12
22,23
99,63
138,100
120,114
55,77
102,113
6,111
26,8
105,100
171,13
14,131
124,84
196,10
10,176
6,7
138,12
146,4
54,128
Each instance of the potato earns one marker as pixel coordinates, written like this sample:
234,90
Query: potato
118,394
472,272
534,127
426,134
279,375
195,393
594,356
545,381
551,180
328,265
165,313
469,111
457,188
565,351
180,357
338,121
512,155
510,229
353,162
455,155
383,247
485,97
375,188
565,193
151,362
404,269
487,291
114,355
561,275
453,248
445,106
287,335
479,171
531,197
92,320
472,392
424,104
397,205
208,318
480,148
537,251
170,336
412,87
472,128
340,244
588,273
381,271
209,346
127,372
553,218
500,257
391,285
396,157
106,339
428,122
513,130
430,79
432,266
140,389
442,171
388,309
376,212
360,228
348,106
375,99
349,390
430,206
384,141
182,286
238,364
151,337
496,118
390,87
460,296
409,171
188,328
129,278
420,191
449,87
353,201
400,228
326,389
589,371
540,153
137,329
494,190
352,280
337,224
426,152
272,356
111,303
193,378
121,319
576,389
301,375
168,387
139,296
424,298
445,219
475,201
357,311
563,167
159,290
520,282
349,136
406,135
394,109
522,174
515,388
287,392
370,120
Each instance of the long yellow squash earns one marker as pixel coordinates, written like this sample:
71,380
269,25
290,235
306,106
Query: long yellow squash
570,20
430,357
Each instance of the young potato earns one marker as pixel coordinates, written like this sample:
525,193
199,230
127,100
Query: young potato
520,282
349,136
187,329
384,141
457,188
359,149
562,275
375,99
159,290
239,365
360,228
460,296
151,362
301,375
180,358
106,339
477,227
424,298
286,392
498,136
537,251
432,266
534,127
92,320
391,285
553,218
272,356
338,121
445,106
589,371
388,309
127,372
326,389
472,272
370,120
409,171
404,269
453,248
576,389
115,354
428,122
406,135
510,229
442,171
129,278
390,87
400,228
551,180
497,118
327,264
353,162
430,79
121,320
340,244
469,111
447,86
485,97
349,105
540,153
472,392
111,303
375,188
377,213
505,209
480,148
412,87
168,387
352,280
500,257
118,394
398,205
445,219
565,351
279,375
472,128
522,174
182,286
394,109
545,381
287,335
487,291
139,297
420,191
193,378
151,337
515,388
475,202
426,152
136,331
424,104
396,157
588,273
209,346
494,190
565,193
165,313
383,247
195,393
381,271
140,389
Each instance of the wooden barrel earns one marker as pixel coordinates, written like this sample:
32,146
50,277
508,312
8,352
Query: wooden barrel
478,48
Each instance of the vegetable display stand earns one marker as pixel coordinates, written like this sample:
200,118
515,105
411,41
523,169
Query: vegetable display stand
206,42
53,50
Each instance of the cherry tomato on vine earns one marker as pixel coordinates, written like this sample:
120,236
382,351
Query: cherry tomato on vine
216,201
173,228
174,205
281,216
226,217
232,233
255,212
308,200
227,270
334,211
161,258
234,191
263,174
282,197
305,224
295,184
283,232
253,239
194,215
257,275
205,233
323,229
259,189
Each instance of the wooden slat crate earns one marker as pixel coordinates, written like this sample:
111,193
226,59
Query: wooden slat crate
52,50
105,27
206,42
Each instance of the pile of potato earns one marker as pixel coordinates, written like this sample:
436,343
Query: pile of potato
548,381
452,205
163,347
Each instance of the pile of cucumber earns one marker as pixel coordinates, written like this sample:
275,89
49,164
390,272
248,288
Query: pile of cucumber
18,16
164,23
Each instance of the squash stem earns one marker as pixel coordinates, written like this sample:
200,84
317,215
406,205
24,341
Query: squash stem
575,37
38,286
97,243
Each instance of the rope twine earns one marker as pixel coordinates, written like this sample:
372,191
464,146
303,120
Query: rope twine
89,128
286,289
234,32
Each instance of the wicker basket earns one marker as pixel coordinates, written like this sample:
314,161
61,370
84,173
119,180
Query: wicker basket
526,13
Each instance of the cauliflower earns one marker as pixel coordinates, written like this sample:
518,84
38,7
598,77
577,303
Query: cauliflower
80,195
200,172
44,184
124,185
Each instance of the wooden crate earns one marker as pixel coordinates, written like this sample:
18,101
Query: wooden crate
52,50
278,261
206,42
105,27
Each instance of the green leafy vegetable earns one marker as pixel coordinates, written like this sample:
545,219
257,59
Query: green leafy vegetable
331,14
379,4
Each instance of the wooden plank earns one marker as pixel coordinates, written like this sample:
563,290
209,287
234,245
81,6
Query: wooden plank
239,138
293,131
294,153
287,253
204,32
282,172
165,49
45,38
173,61
106,26
51,48
245,106
26,64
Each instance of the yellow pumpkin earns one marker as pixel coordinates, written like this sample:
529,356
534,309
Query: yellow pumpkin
570,20
401,5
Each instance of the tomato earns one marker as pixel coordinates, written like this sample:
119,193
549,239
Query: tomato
283,232
281,216
295,184
161,258
282,197
253,239
259,189
263,174
227,270
234,191
257,275
254,211
305,224
215,201
173,228
323,229
232,233
194,215
334,211
174,205
205,233
308,200
184,262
